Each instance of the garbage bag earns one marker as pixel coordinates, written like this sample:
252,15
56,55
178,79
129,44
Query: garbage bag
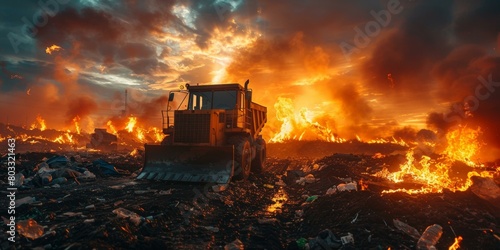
105,168
58,161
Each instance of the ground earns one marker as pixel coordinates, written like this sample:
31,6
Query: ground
267,211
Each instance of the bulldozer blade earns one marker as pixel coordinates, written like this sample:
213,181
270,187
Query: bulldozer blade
188,163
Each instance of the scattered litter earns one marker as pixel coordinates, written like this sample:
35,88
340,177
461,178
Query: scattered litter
56,186
89,221
351,186
235,245
90,206
409,230
72,214
117,187
268,186
25,200
219,187
30,229
118,203
430,237
301,243
105,168
355,218
143,191
311,198
280,183
59,180
267,220
348,239
331,190
325,239
18,180
165,192
124,213
310,178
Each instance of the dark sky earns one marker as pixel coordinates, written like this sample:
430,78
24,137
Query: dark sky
362,67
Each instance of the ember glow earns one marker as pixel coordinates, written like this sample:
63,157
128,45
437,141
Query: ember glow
456,244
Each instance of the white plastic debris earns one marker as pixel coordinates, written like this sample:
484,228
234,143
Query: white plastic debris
331,190
351,186
347,239
19,180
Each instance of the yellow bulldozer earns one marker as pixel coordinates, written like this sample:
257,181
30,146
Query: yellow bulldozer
212,135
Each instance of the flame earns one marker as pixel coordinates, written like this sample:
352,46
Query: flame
363,185
76,121
111,127
132,121
434,174
134,152
301,125
41,124
462,144
157,134
456,244
140,134
52,48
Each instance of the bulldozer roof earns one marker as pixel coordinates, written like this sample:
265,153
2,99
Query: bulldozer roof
209,87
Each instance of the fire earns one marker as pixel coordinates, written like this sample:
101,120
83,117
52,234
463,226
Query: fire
301,125
157,134
111,127
52,48
41,124
434,174
456,244
134,152
76,121
140,134
463,144
132,121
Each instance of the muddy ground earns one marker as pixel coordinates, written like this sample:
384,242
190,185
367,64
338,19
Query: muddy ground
267,211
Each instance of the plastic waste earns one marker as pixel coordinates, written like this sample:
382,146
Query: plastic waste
105,167
351,186
411,231
430,237
30,229
348,239
325,239
46,179
59,180
19,180
124,213
25,200
331,190
311,198
87,175
235,245
310,178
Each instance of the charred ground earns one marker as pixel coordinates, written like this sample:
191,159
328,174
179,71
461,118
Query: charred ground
261,212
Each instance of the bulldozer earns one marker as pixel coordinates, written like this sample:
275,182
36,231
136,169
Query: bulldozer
212,134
